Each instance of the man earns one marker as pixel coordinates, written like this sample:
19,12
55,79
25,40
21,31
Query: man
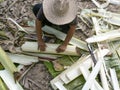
56,13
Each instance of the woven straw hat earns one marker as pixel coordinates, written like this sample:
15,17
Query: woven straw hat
60,12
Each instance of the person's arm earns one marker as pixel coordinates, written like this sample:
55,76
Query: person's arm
41,43
70,33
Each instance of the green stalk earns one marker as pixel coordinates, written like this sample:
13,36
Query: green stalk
9,80
6,62
2,85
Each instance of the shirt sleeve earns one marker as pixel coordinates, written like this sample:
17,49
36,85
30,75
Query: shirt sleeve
74,22
40,15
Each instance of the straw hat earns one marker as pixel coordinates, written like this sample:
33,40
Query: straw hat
60,12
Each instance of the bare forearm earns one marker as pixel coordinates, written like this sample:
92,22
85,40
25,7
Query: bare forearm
41,44
69,35
38,30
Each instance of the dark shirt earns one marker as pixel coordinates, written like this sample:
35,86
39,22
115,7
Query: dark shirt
64,28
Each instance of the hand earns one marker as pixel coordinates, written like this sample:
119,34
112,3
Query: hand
42,46
61,48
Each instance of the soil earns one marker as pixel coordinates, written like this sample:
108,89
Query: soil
38,77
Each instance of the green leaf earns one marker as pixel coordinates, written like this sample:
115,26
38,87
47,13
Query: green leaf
51,69
76,84
68,60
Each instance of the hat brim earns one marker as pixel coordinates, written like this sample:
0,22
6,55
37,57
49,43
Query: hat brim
59,20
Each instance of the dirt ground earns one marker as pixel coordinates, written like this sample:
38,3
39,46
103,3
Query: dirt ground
38,77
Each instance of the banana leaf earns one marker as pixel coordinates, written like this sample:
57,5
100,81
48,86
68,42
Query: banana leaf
76,84
65,61
51,69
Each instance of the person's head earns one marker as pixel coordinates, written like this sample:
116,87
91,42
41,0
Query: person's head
60,12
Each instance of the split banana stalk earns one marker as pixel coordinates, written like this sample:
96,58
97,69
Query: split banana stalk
7,62
107,16
9,81
51,49
101,5
108,36
22,59
101,58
